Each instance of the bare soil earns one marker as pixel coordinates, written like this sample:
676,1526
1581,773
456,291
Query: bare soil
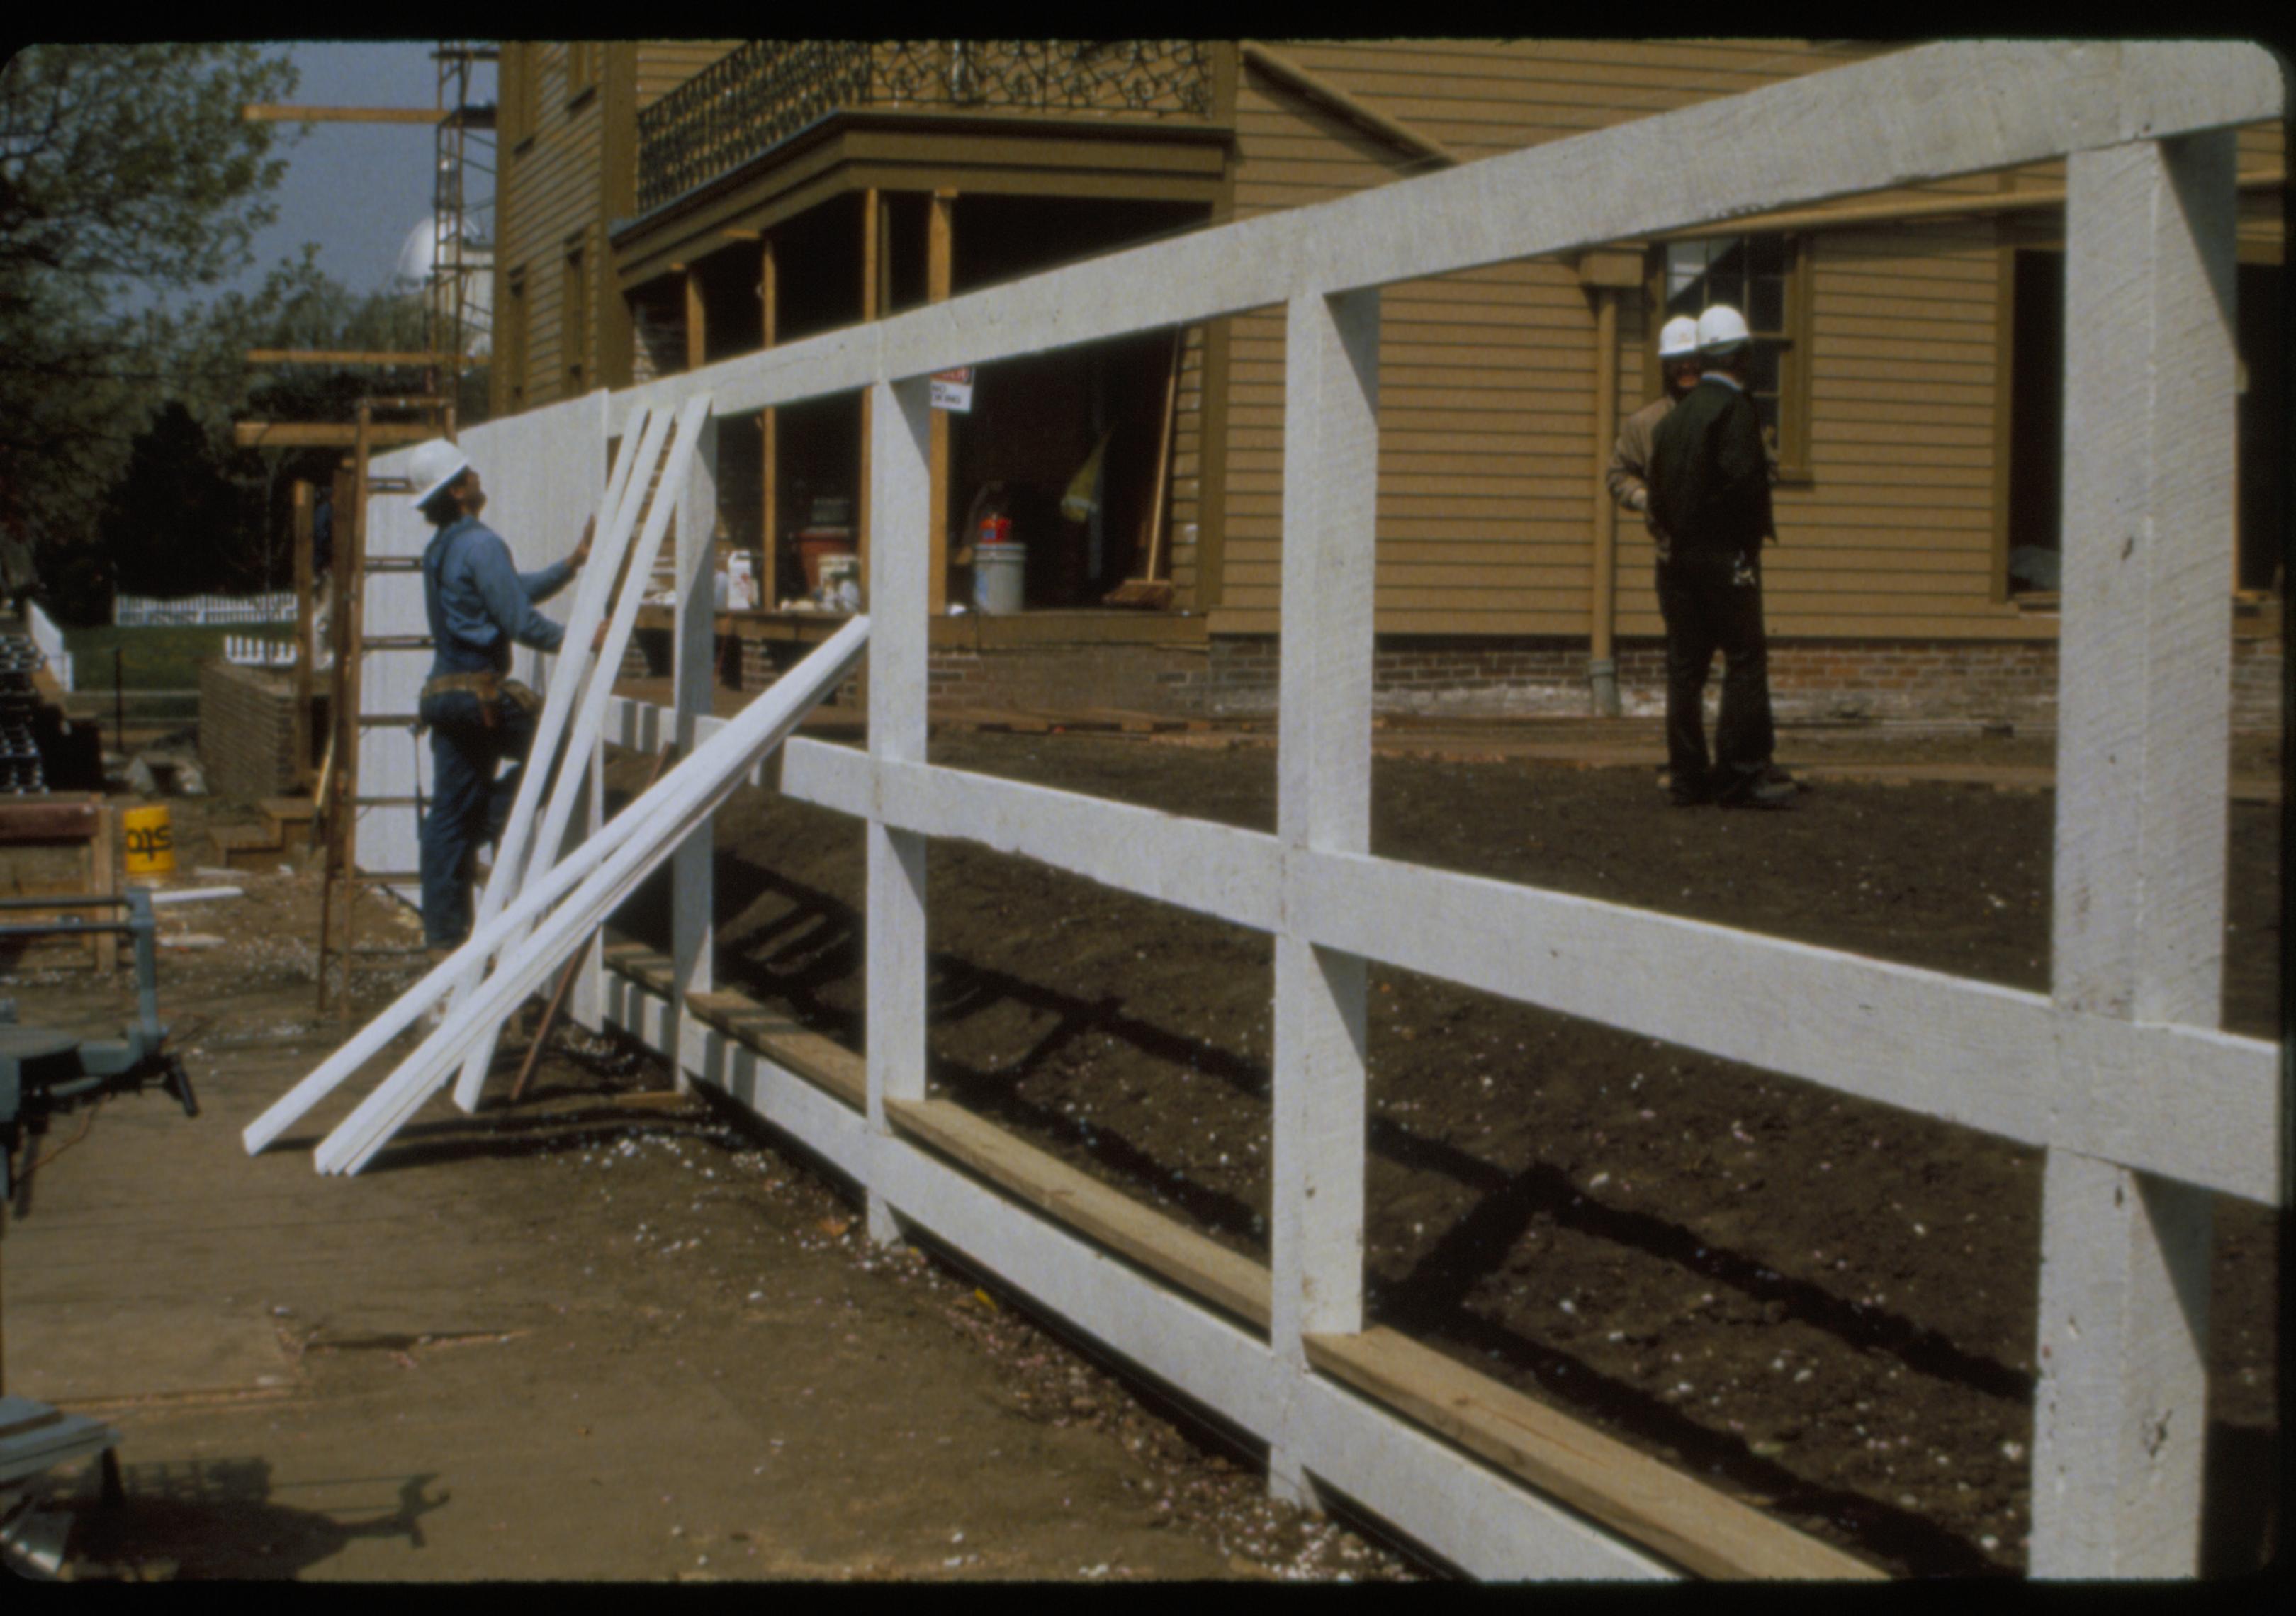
1825,1306
582,1340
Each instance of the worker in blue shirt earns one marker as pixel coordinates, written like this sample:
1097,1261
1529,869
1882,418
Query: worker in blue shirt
479,603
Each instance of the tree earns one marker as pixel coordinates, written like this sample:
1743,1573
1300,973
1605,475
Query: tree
125,169
177,521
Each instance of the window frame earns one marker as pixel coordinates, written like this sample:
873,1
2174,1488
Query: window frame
582,63
510,340
574,369
1790,337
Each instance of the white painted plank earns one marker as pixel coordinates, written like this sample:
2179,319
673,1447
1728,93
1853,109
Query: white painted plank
597,686
701,772
694,646
1464,1512
593,589
1930,112
1331,486
689,791
1214,869
899,569
2121,1406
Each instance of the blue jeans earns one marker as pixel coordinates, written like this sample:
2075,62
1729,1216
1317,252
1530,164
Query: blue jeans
468,805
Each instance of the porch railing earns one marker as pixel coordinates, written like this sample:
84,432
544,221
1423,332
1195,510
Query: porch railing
751,99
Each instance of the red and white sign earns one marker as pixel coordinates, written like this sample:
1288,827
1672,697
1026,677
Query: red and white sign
952,390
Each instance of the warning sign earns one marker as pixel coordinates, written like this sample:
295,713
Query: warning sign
952,390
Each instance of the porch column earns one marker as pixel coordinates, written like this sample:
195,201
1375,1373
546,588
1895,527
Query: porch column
938,256
872,251
769,424
696,319
2143,729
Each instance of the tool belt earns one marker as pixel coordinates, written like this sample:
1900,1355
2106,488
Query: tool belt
490,688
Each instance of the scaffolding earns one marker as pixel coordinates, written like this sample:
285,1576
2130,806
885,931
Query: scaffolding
457,309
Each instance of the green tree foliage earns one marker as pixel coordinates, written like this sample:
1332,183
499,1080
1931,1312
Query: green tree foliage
125,169
178,521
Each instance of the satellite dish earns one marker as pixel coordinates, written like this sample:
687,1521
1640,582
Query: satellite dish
429,242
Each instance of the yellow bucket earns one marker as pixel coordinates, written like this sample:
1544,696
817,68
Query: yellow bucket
150,841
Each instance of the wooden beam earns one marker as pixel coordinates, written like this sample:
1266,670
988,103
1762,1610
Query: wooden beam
317,355
275,112
697,321
326,434
2031,200
1202,1266
769,424
940,254
872,246
1696,1526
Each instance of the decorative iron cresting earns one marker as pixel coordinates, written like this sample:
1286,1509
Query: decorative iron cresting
760,94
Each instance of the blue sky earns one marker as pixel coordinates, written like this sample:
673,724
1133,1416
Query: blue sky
357,190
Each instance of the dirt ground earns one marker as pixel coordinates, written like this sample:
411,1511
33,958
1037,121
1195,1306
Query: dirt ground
1824,1306
584,1339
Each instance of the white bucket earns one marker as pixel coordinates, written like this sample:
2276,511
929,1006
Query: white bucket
996,573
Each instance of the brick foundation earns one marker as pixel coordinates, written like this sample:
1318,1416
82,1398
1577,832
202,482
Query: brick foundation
247,731
1944,681
1895,680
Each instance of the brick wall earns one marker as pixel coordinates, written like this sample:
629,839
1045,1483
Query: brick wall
2014,681
1235,675
247,731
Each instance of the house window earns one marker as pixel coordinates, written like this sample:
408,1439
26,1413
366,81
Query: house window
581,68
1763,277
574,332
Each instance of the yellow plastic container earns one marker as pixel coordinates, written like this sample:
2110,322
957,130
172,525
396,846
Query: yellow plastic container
150,841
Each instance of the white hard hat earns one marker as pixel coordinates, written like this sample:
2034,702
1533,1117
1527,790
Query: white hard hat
1677,339
1721,327
437,464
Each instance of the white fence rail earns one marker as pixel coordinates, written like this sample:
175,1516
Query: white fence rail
203,610
2143,1105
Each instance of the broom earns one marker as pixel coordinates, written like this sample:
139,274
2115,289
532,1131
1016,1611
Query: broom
1151,592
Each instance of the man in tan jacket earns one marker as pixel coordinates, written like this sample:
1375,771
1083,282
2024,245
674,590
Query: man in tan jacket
1630,473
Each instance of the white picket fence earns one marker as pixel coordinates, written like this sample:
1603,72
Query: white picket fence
203,610
2146,1110
245,650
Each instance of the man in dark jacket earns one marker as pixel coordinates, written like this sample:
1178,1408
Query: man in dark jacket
1710,492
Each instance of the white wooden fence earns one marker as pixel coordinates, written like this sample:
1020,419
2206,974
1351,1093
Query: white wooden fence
203,610
245,650
2146,1109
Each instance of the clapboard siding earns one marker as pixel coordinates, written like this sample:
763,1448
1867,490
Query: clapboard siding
664,64
1488,458
552,194
550,190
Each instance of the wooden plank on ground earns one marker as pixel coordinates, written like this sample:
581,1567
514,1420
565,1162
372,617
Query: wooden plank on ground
1156,1242
1703,1530
820,1061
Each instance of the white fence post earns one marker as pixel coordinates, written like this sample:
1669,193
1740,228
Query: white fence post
2121,1406
1331,486
900,504
693,678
